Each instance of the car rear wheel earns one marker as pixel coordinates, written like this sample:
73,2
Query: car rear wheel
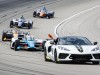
17,43
11,24
34,14
29,26
48,16
95,62
53,14
4,37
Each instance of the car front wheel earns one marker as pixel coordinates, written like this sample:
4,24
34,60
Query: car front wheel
11,24
45,55
34,14
17,43
4,37
55,57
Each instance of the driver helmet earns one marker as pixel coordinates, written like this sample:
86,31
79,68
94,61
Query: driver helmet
22,17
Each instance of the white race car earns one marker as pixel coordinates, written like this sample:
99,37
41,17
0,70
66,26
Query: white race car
71,48
21,23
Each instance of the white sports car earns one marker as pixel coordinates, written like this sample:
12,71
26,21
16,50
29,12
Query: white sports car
71,48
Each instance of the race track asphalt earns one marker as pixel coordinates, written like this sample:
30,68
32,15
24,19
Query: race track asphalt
32,62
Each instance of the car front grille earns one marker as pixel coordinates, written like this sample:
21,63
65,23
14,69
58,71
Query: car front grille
81,57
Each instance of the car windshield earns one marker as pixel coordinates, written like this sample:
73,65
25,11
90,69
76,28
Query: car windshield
74,41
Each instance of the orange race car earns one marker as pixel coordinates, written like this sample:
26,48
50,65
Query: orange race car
43,12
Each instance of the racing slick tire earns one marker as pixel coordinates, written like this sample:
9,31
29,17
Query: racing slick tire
45,55
95,62
52,14
55,56
4,37
29,25
48,16
17,43
11,24
34,14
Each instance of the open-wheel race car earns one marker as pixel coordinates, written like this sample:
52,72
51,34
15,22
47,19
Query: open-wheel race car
7,35
21,23
43,12
25,41
71,48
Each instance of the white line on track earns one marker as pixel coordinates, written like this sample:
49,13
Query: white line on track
55,31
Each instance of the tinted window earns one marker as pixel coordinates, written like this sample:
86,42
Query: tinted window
74,41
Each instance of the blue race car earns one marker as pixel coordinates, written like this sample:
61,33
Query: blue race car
26,42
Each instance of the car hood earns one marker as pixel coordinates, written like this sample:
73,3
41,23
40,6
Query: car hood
78,48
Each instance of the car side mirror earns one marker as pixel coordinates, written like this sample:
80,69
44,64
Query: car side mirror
95,43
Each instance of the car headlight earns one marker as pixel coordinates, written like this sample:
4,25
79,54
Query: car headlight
95,49
62,48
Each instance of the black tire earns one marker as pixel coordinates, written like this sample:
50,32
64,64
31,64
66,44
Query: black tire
55,56
34,14
29,25
52,14
11,24
45,55
95,62
3,36
48,16
17,43
32,25
43,45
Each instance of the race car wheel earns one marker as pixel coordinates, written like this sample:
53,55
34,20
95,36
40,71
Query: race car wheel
55,57
45,55
48,16
95,62
11,24
53,14
4,37
34,14
17,43
29,26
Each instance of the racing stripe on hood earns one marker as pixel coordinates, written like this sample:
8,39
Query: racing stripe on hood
79,48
